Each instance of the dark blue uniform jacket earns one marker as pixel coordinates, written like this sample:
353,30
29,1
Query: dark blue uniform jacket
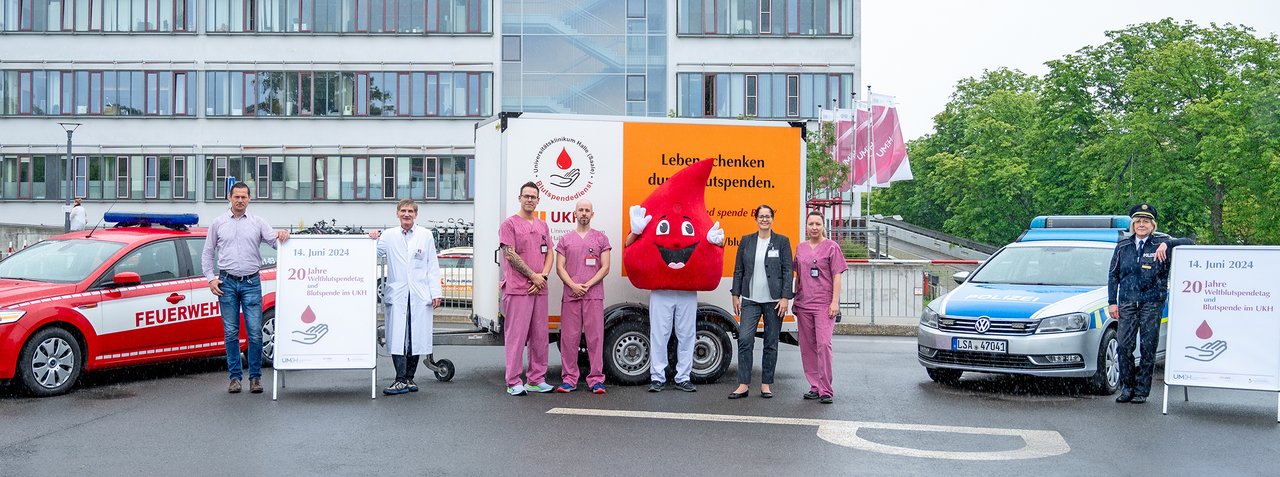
1140,279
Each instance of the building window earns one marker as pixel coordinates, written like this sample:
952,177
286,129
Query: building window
635,87
766,16
96,93
151,178
220,184
510,48
752,96
122,177
635,8
403,17
167,16
178,183
793,95
263,178
81,176
388,178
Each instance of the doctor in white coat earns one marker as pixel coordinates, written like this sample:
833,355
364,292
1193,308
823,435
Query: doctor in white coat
411,292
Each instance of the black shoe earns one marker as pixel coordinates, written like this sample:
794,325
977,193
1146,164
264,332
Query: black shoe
656,386
413,387
739,395
811,395
1139,399
1125,396
826,399
686,386
766,394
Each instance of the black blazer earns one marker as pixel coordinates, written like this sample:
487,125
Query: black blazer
777,269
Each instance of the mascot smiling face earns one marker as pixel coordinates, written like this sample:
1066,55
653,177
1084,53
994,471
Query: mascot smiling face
672,251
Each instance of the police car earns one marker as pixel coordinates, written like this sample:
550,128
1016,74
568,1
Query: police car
1037,307
105,298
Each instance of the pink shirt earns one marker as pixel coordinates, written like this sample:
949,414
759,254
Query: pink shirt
532,241
582,261
813,294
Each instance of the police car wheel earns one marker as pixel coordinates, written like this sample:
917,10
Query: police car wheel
711,353
50,362
1106,381
626,351
944,376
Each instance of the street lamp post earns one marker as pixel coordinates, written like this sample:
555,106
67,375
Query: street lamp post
68,189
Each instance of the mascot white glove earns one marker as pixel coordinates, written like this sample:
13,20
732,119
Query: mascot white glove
716,235
639,220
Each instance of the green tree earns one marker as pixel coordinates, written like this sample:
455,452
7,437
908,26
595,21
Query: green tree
824,175
1178,115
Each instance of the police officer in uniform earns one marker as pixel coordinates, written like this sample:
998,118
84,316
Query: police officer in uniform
1137,286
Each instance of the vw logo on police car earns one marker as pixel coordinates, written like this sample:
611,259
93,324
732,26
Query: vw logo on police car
982,325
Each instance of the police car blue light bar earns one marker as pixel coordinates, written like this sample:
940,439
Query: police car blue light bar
1081,222
125,219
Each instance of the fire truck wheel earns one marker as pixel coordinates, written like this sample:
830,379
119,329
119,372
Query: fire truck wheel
268,337
50,362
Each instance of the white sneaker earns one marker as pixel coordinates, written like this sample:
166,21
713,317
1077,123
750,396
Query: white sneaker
542,387
517,390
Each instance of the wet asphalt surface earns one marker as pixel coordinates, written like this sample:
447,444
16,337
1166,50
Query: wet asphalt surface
179,420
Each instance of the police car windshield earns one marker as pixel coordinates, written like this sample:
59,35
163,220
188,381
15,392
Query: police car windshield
58,261
1047,265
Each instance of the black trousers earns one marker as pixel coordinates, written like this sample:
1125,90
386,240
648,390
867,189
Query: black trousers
1140,319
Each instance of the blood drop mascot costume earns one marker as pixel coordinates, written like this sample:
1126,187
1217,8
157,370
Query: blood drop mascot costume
675,250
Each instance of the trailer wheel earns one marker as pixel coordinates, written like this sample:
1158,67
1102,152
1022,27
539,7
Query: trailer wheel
626,357
712,353
445,371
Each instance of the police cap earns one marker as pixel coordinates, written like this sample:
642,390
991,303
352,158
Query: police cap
1143,210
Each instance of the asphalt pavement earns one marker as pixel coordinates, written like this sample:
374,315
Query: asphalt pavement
888,419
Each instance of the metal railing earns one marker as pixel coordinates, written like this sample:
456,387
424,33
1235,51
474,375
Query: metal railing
894,292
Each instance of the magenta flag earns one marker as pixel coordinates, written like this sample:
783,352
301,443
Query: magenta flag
859,173
890,152
844,142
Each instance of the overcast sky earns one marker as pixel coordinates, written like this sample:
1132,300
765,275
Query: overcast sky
917,50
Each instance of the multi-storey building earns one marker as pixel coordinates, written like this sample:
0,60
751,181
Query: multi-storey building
351,104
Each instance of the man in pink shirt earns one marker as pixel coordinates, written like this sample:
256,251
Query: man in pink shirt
525,243
582,262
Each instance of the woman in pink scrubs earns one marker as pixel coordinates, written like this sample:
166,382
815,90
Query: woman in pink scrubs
818,265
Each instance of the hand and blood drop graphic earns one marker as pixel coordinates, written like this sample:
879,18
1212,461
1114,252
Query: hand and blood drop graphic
1204,332
308,316
563,161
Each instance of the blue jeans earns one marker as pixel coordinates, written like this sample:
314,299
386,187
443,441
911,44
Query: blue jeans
1138,320
242,295
752,312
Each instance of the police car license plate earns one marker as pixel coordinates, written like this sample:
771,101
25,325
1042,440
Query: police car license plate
986,346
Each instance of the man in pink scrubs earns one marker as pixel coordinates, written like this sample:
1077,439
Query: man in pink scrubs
582,262
526,243
818,265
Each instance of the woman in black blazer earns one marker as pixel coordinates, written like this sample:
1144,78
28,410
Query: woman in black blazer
760,293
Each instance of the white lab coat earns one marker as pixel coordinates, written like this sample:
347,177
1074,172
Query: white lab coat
413,276
77,218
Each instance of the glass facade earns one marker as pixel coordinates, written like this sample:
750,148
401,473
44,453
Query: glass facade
108,177
97,93
342,178
136,16
345,93
349,16
761,95
806,18
604,57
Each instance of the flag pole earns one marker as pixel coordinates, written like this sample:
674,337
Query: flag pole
871,152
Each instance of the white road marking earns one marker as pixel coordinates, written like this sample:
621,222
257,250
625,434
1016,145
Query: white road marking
1037,443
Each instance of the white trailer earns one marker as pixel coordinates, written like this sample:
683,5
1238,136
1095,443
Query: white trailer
615,162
